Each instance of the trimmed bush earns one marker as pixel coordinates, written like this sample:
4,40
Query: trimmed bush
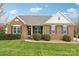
45,37
13,36
42,36
2,37
9,36
37,37
66,38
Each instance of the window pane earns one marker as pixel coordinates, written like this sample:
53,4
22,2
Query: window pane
18,30
53,28
14,29
64,29
37,29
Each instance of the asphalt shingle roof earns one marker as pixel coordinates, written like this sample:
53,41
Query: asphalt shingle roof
34,20
43,20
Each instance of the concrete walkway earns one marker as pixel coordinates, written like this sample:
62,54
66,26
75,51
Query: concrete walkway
76,39
53,41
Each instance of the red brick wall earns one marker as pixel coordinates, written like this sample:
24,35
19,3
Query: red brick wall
23,27
58,35
46,29
71,31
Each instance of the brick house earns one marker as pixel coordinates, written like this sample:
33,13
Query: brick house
56,25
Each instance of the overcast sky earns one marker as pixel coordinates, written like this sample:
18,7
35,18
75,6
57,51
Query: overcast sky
43,9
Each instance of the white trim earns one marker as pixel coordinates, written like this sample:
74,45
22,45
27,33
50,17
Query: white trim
16,25
66,18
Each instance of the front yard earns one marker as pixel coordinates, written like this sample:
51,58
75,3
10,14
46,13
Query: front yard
22,48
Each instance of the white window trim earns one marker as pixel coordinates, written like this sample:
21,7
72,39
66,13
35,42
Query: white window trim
16,29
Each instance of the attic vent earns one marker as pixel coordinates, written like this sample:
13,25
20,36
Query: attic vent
16,20
58,18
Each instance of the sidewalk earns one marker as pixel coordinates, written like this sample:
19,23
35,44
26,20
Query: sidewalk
53,41
76,39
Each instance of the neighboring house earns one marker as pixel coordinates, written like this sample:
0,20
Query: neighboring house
56,25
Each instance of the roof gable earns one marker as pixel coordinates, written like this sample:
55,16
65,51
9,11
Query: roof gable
14,19
59,18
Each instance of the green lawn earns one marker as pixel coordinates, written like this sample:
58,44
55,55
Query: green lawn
22,48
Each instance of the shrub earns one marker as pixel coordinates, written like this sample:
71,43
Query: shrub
9,36
37,37
45,37
2,36
42,36
66,38
13,36
2,30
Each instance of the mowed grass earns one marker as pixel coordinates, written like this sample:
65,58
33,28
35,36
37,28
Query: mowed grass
22,48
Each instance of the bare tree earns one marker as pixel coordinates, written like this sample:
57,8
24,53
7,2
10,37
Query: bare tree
1,9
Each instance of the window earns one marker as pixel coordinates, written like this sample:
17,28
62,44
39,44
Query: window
53,28
16,29
16,20
58,18
64,29
37,29
40,29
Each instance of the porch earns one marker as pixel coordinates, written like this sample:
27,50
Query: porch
34,30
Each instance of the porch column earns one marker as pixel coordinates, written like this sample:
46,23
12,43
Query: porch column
31,30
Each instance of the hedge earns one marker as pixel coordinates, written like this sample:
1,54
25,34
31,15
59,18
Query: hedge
37,37
45,37
66,38
41,37
9,36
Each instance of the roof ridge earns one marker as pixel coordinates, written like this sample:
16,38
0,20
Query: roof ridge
34,15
